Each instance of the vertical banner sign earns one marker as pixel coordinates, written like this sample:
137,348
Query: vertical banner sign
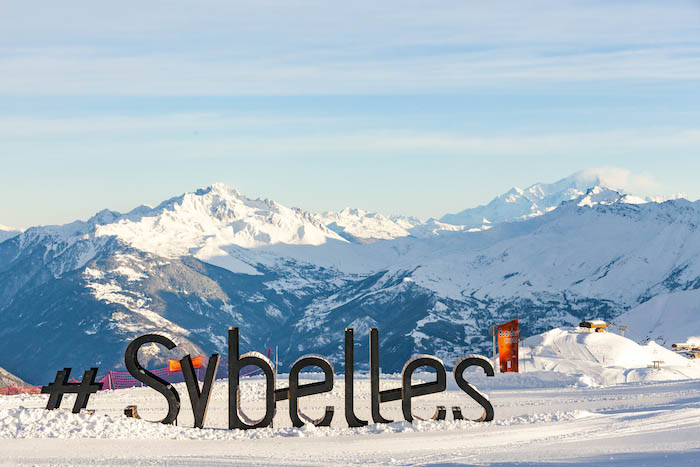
508,346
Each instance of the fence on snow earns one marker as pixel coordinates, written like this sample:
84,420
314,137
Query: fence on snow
123,379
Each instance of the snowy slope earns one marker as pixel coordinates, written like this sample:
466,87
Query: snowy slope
667,318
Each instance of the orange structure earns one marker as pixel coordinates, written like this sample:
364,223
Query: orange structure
594,325
174,365
508,346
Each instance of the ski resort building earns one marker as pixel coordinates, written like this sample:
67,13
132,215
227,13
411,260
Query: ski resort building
594,325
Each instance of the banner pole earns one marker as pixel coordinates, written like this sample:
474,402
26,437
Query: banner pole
493,330
496,367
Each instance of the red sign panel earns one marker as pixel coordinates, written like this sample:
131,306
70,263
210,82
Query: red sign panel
508,346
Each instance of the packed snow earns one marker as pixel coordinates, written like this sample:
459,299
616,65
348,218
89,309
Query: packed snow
558,423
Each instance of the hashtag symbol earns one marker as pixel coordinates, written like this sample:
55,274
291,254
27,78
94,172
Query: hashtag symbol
61,386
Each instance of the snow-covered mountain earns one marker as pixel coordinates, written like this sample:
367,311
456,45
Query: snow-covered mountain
7,232
213,224
535,200
361,226
193,266
516,204
8,380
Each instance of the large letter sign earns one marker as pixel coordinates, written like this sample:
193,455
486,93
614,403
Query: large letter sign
236,417
199,397
149,379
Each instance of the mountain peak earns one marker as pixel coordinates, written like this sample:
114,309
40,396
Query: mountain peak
211,222
539,198
220,189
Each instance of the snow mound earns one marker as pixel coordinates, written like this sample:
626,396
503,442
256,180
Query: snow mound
602,359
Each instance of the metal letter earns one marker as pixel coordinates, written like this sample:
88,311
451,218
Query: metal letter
236,417
350,416
374,377
199,399
61,386
478,396
296,391
148,378
408,391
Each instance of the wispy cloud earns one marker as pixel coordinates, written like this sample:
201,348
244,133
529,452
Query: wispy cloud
44,73
307,48
174,136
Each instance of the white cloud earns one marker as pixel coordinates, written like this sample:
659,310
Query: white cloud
622,179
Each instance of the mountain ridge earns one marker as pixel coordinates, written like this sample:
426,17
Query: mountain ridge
77,293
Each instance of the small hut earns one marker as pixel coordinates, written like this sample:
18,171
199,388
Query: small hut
594,325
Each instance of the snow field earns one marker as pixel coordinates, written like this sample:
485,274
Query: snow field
639,421
587,398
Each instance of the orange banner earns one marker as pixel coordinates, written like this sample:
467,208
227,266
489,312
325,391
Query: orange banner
508,346
174,365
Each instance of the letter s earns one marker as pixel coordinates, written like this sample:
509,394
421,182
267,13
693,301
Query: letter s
148,378
474,393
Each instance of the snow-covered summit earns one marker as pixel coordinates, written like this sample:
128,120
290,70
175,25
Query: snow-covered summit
210,221
537,199
603,195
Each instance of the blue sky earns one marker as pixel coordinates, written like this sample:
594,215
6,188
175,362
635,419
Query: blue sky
407,107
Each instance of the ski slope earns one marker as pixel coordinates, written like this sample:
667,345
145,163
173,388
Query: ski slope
626,424
581,397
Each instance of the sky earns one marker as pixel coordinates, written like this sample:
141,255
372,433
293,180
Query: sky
402,107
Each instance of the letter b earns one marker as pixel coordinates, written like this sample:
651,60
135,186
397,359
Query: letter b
236,417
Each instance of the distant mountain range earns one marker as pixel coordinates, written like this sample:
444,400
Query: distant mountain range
7,232
196,264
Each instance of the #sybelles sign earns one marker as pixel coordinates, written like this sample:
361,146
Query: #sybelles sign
199,398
